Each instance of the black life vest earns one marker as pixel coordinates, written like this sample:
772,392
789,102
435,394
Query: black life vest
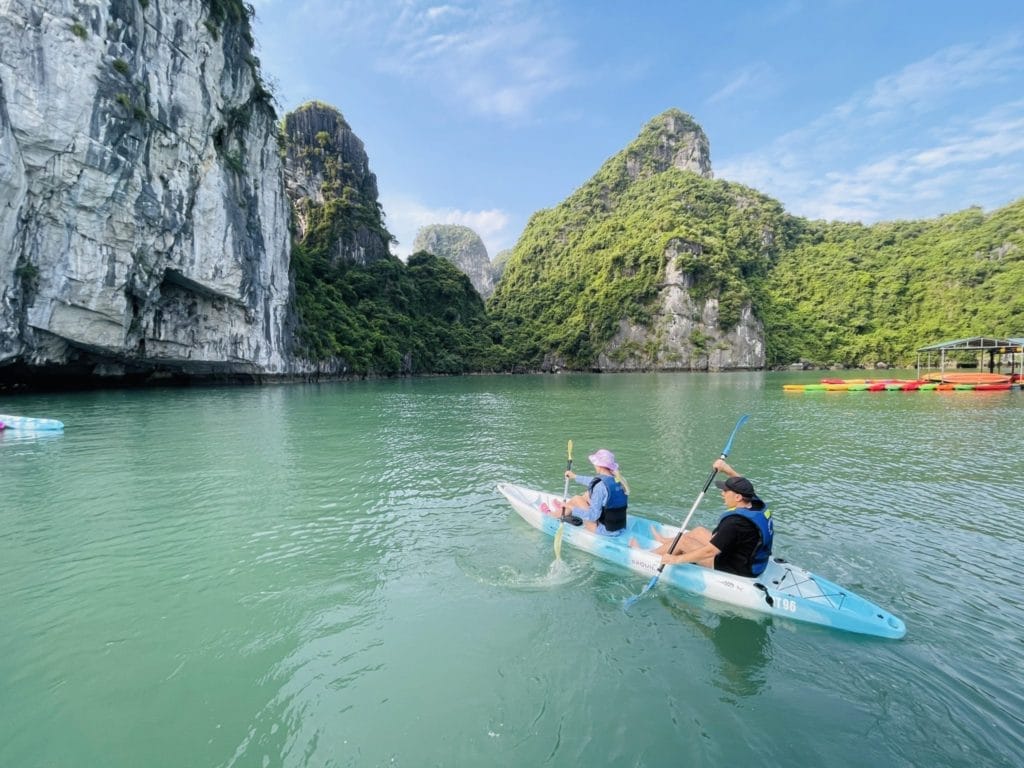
762,518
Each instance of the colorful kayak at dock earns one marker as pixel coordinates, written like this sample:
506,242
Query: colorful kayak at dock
29,423
977,377
782,590
962,383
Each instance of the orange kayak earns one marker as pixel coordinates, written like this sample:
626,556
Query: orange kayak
977,377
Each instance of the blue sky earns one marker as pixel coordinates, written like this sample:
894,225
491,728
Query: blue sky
481,113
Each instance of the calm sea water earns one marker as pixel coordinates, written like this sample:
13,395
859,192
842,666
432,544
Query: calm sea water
324,575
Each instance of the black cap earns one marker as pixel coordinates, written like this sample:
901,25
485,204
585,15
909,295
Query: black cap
744,488
739,485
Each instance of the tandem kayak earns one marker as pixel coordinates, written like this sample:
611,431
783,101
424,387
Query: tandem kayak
30,423
782,590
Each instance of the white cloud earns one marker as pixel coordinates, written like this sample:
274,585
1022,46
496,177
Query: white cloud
911,146
757,79
405,217
499,60
921,85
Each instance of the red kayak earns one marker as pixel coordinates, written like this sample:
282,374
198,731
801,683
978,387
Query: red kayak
975,378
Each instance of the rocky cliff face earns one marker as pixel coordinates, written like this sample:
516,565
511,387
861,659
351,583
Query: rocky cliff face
329,182
672,140
648,265
463,248
143,221
684,333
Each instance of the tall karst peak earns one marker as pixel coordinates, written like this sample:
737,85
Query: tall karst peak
333,192
673,139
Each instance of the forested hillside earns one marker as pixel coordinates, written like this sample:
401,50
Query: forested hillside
599,257
851,294
826,292
360,309
594,283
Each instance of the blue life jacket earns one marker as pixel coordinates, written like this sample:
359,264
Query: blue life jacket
762,518
613,513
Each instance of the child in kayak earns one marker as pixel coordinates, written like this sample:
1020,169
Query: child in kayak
603,505
741,543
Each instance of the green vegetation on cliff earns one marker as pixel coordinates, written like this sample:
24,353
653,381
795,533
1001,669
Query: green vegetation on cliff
388,317
826,292
599,257
356,302
854,295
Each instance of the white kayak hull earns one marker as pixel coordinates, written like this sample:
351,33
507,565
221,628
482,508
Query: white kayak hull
782,590
30,423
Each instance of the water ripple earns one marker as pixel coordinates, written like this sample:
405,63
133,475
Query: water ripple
325,575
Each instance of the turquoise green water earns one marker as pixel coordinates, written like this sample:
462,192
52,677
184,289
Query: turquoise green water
324,575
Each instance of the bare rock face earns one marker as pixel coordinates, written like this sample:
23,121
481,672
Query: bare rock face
463,248
684,333
143,221
499,262
671,140
327,174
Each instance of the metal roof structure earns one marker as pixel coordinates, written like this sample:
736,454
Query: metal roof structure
976,344
993,345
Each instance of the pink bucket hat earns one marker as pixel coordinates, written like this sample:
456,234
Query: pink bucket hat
603,458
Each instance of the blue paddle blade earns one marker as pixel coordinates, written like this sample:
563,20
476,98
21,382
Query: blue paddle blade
629,602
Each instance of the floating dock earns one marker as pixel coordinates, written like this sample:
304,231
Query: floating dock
950,382
1006,353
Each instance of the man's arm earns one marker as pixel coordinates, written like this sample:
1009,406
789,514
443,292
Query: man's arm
722,466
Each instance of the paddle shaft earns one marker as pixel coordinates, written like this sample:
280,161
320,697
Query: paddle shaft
568,469
711,479
565,497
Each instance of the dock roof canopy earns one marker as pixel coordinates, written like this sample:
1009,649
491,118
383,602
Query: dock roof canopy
976,344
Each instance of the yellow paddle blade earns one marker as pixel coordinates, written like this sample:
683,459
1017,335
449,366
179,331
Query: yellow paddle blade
565,495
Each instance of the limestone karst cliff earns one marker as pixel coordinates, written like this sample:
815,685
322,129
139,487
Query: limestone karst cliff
143,220
462,247
645,266
329,183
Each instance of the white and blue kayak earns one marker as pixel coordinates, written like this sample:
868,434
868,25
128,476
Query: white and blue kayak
29,423
782,590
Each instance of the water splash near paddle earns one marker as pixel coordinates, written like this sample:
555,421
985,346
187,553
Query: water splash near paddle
557,575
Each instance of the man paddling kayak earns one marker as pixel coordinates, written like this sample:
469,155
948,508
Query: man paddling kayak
741,543
603,505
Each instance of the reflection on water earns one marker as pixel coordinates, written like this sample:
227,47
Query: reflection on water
742,644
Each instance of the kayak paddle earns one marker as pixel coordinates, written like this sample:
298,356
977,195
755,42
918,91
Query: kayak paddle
629,601
565,498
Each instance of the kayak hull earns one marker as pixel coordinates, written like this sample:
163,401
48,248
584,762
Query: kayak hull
782,590
974,377
30,423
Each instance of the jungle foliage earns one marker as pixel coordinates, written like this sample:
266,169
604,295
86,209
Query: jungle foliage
387,317
382,316
827,292
855,295
599,257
